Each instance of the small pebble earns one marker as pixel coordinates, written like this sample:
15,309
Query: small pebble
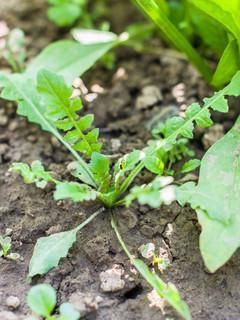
13,302
150,96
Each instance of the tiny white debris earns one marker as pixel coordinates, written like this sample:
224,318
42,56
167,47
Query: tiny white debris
168,195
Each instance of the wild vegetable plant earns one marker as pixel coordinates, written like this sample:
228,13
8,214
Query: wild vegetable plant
214,22
42,300
52,106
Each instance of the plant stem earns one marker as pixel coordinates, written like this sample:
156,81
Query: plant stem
114,226
89,219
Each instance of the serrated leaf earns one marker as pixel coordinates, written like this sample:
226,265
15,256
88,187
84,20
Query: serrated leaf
217,204
42,299
75,191
49,250
16,88
33,174
56,95
203,119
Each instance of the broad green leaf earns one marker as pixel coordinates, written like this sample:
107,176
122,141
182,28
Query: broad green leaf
16,88
155,12
65,14
33,174
75,191
166,291
49,250
67,58
217,204
228,65
190,165
62,111
42,299
67,312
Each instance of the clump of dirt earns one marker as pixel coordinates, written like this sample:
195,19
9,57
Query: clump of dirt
82,277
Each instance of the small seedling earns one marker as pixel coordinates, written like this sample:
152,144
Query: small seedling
159,262
5,248
42,301
14,51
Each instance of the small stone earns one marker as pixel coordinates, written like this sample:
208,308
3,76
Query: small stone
55,142
3,148
85,302
32,138
6,315
111,280
213,134
54,229
150,96
13,302
115,144
13,125
3,120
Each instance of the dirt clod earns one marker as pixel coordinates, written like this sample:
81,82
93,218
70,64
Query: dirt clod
111,279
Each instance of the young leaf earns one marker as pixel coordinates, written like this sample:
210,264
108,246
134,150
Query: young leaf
166,291
42,299
33,174
190,165
100,166
62,111
154,164
217,204
154,194
75,191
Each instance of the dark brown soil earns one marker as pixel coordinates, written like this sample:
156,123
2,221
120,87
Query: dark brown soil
31,213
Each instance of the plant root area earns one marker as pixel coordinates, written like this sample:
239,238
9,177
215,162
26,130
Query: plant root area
97,277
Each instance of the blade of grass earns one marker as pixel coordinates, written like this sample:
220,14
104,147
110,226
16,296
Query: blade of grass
152,10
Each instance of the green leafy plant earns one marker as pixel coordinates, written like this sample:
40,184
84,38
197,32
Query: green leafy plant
215,22
5,248
14,50
42,301
51,105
